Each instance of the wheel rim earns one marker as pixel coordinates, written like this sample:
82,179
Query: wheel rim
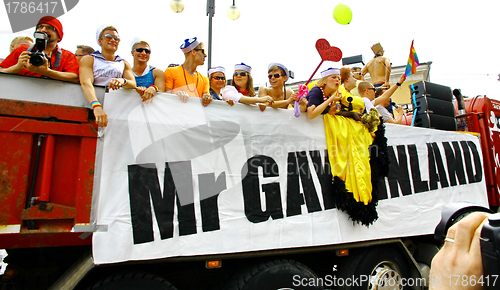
385,276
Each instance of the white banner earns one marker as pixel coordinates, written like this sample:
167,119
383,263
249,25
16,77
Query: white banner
180,179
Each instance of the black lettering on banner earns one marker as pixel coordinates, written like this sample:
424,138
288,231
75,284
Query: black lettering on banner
454,162
418,184
436,167
294,199
310,193
478,176
210,188
324,174
398,172
181,176
251,190
143,183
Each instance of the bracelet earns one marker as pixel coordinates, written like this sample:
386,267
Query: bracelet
95,104
398,84
156,88
124,81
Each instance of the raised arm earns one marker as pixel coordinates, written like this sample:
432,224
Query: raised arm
86,81
387,70
387,95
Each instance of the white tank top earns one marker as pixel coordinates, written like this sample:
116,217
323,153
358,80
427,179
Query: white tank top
105,70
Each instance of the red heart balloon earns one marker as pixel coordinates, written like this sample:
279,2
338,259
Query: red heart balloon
328,52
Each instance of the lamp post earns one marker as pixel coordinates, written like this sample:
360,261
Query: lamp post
232,12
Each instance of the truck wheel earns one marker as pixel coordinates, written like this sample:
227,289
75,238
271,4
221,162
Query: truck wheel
274,275
380,268
133,281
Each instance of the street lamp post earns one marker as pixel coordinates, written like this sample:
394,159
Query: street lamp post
210,13
232,12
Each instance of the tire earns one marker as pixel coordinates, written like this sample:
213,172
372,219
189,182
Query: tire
133,281
273,275
381,268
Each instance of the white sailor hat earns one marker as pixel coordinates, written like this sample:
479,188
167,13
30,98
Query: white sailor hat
243,67
216,69
279,65
134,41
99,31
189,44
330,71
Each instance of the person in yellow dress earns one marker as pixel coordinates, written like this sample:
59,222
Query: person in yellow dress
348,140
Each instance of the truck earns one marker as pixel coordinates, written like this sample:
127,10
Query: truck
175,195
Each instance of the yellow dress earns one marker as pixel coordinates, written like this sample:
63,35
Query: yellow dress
348,141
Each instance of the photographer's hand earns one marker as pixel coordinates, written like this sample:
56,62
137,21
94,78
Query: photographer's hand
22,60
458,264
41,70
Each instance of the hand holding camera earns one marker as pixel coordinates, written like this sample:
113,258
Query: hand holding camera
469,258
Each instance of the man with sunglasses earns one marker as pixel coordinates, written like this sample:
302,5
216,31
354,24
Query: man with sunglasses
104,68
148,78
59,64
184,80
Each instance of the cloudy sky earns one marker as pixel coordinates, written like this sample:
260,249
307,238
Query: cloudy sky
459,38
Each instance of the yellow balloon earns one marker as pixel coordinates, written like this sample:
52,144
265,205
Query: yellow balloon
342,14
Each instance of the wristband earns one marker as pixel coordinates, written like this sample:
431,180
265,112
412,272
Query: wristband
95,104
156,88
398,84
124,81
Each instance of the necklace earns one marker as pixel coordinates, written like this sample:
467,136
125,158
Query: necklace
185,79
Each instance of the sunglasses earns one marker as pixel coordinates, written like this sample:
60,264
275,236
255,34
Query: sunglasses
220,78
241,74
374,89
140,49
202,50
48,27
274,75
110,36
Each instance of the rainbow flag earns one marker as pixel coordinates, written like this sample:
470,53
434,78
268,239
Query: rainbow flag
411,67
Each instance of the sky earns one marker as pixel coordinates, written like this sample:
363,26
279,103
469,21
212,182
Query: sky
460,38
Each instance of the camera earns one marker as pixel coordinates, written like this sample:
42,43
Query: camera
37,56
490,234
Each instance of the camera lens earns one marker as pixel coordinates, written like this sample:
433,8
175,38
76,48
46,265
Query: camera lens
37,58
451,214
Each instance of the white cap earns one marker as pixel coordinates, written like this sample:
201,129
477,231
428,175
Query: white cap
134,41
330,71
189,44
98,32
243,67
279,65
216,69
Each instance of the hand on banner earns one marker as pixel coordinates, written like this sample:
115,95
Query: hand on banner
115,84
183,96
148,94
230,102
100,117
206,99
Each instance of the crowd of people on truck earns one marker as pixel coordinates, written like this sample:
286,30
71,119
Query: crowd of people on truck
348,103
103,67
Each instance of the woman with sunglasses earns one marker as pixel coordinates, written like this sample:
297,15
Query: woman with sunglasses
148,78
241,87
217,79
282,97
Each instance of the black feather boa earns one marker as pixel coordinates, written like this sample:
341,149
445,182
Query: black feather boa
379,165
